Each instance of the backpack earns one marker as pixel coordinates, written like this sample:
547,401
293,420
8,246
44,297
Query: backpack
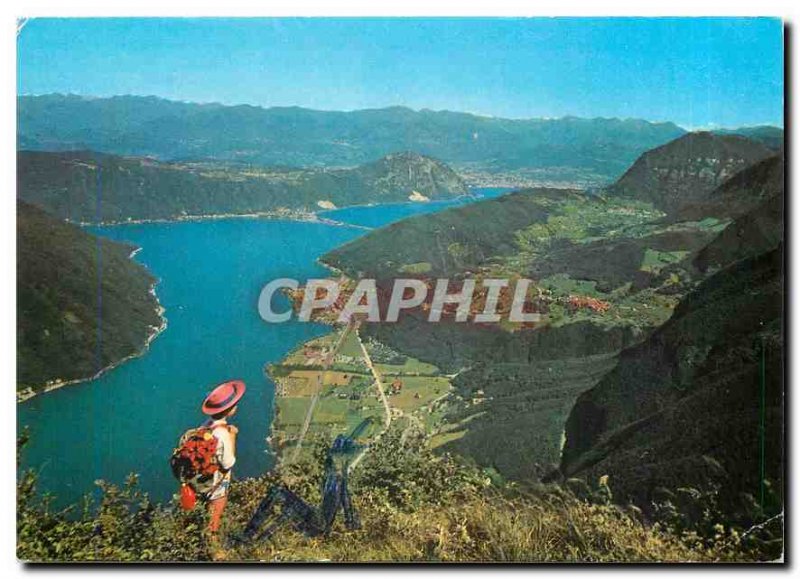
194,460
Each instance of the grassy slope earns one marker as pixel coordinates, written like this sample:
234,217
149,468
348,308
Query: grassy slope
414,507
64,329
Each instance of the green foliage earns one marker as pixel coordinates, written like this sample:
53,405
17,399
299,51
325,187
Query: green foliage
413,505
410,479
125,526
582,220
383,354
654,261
699,518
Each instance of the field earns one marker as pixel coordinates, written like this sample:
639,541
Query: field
438,440
418,391
411,366
350,346
343,398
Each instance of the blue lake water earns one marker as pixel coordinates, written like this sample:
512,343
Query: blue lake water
379,215
211,273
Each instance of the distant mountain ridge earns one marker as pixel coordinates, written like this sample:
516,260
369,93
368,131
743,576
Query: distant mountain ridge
169,130
770,136
85,186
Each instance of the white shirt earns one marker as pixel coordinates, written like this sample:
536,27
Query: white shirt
225,457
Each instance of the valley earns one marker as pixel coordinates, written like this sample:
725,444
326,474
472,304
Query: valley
460,289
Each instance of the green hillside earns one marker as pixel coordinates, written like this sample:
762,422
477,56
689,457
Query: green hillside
85,186
82,303
700,402
688,169
515,390
449,241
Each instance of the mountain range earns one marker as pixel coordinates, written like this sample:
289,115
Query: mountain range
177,131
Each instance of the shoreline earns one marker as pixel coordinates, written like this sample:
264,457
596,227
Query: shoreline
284,214
301,217
31,392
409,201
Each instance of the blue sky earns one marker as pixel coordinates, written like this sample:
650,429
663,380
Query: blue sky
695,72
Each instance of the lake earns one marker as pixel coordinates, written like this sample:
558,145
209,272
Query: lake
211,273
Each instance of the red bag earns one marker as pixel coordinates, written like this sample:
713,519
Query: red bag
188,497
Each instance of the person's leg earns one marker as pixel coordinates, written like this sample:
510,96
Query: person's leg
215,509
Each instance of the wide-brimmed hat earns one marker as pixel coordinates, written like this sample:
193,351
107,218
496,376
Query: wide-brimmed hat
224,396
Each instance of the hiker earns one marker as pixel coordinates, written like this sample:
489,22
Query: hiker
220,405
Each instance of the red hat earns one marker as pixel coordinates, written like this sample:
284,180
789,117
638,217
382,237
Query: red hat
224,396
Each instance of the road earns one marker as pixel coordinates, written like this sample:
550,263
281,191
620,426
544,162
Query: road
414,421
314,399
382,394
378,383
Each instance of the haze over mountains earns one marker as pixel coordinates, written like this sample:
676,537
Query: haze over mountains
597,149
567,150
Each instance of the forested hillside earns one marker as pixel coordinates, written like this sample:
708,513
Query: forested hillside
85,186
82,303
